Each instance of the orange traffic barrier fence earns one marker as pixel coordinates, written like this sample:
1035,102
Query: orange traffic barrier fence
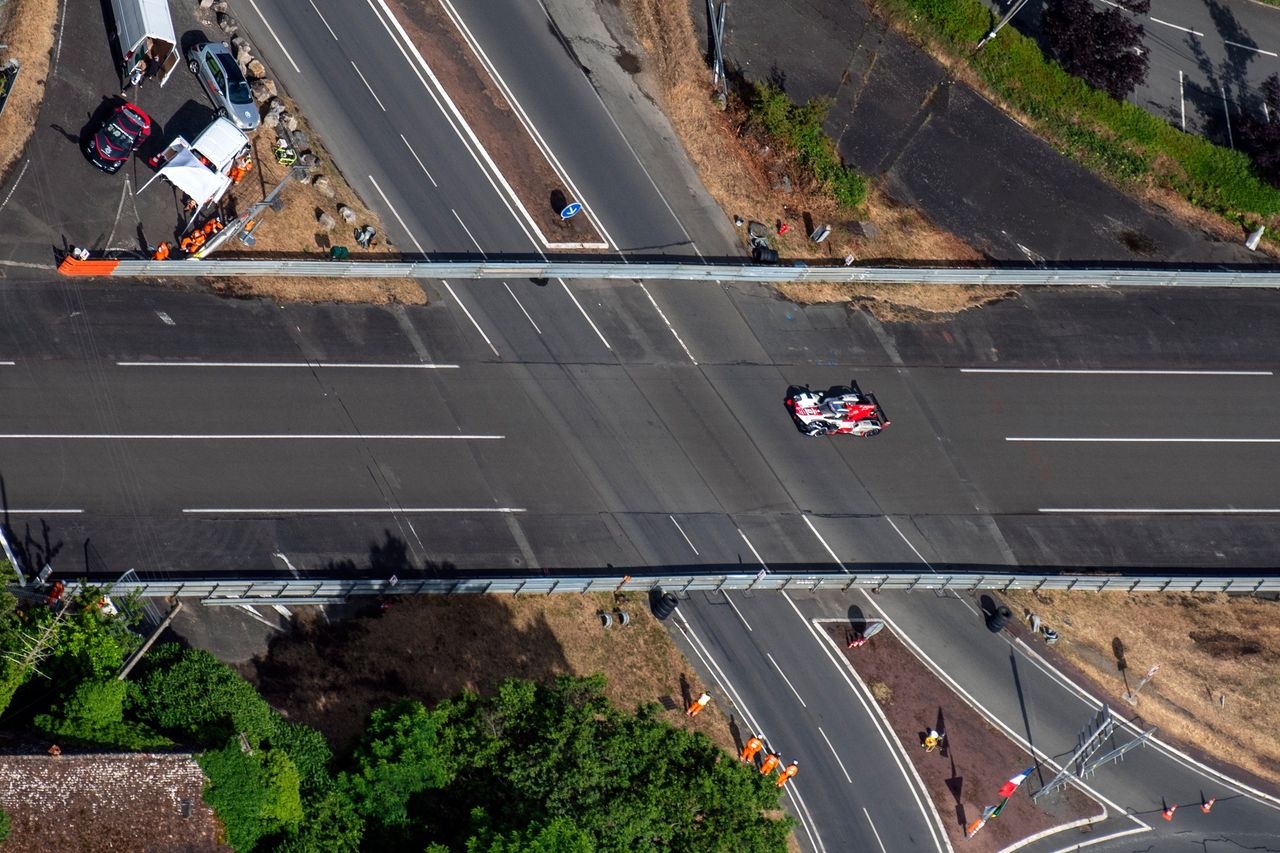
94,268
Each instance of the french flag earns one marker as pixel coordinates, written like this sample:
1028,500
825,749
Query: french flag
1009,787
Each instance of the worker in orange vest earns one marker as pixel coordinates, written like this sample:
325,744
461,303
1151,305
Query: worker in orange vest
786,775
161,253
770,764
754,745
695,708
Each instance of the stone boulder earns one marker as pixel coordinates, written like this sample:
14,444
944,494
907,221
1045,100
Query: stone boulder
326,221
348,215
324,186
227,24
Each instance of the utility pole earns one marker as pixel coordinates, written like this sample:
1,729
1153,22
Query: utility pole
1017,7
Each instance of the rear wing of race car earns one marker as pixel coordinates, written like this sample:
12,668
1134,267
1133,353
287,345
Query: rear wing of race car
880,415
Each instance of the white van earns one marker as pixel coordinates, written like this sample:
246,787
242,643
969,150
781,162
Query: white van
145,30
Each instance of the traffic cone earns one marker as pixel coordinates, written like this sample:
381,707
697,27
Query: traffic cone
1208,806
1167,814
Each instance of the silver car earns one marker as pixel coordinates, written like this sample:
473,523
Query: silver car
218,73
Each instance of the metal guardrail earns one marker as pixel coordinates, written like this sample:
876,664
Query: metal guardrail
669,271
330,591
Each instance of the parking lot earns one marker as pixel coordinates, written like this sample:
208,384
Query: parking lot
54,198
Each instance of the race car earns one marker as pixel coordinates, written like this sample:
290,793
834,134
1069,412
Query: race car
840,410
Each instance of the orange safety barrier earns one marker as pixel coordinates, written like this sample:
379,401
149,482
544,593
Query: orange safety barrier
102,267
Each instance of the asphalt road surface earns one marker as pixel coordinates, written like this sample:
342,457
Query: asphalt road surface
508,426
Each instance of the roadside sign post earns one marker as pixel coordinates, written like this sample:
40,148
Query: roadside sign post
1132,696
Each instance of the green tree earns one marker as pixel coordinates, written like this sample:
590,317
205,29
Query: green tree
332,825
94,714
191,694
538,753
559,835
310,752
255,793
398,756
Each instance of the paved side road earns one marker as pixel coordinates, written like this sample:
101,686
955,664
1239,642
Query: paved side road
942,148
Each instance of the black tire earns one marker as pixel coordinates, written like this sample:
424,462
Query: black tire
663,604
998,618
193,66
871,432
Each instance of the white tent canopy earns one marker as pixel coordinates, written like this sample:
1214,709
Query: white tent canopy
186,172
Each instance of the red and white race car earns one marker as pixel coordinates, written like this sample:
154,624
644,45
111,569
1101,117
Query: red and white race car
840,410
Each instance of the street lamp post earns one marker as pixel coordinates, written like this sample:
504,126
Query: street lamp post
1017,7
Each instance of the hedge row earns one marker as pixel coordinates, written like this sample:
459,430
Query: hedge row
1115,138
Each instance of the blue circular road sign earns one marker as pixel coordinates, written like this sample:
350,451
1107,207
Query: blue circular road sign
571,211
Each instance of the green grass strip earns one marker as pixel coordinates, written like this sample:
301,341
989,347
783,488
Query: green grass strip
1113,138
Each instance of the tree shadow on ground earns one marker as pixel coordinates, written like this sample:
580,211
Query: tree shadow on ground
333,669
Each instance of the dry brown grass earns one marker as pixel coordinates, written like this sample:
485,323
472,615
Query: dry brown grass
373,291
27,26
745,175
1218,687
640,661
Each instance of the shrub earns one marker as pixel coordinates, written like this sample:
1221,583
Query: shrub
255,793
94,714
4,825
191,694
799,127
399,756
332,825
309,751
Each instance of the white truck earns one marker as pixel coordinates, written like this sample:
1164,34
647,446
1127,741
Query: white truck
145,33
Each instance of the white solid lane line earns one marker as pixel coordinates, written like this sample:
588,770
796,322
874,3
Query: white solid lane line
763,565
590,322
419,159
396,213
843,769
367,86
784,678
522,308
267,24
828,547
322,20
471,236
1137,440
874,830
345,365
375,510
105,436
8,511
470,316
1250,47
7,363
685,535
1109,372
1161,510
1176,27
739,612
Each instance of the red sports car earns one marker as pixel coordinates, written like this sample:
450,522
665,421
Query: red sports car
120,135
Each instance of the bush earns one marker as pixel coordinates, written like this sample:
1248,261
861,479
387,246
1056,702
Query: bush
94,714
4,825
399,756
1117,139
255,793
799,127
332,826
310,753
191,694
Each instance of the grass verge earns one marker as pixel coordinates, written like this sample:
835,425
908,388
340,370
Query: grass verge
1218,688
27,27
1118,140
